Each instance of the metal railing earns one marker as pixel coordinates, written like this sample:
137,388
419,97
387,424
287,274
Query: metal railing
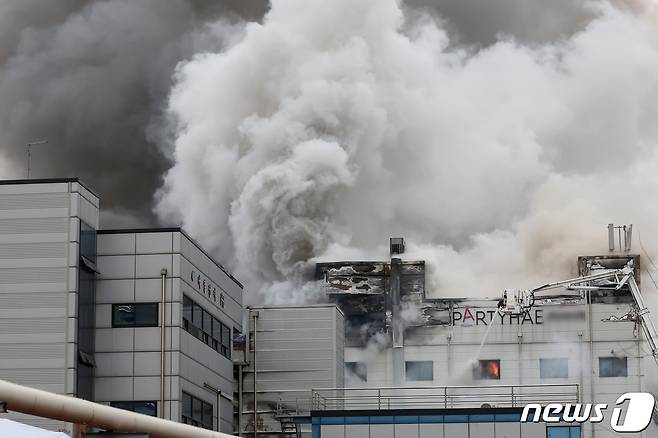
441,397
296,407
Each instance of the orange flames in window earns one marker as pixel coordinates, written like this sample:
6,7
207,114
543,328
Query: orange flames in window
493,369
488,369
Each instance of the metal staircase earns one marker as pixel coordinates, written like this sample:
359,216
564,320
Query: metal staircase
288,427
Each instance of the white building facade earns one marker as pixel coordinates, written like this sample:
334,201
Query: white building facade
203,308
587,340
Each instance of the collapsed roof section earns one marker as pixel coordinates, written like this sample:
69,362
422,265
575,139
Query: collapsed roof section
388,297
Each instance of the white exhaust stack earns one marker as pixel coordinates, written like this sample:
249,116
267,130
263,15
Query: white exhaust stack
73,410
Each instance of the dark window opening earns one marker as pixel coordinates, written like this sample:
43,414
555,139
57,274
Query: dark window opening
613,367
488,369
196,412
141,407
135,315
557,368
187,313
356,372
419,371
87,242
208,329
86,312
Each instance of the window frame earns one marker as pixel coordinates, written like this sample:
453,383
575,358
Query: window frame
187,321
477,370
130,405
207,327
205,408
135,324
418,363
615,361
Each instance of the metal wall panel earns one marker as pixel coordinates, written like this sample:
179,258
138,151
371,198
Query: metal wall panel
481,430
456,430
386,431
359,431
131,264
431,431
533,430
407,431
332,431
508,430
298,348
38,285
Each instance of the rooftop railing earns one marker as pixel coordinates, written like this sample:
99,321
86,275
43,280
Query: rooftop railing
441,397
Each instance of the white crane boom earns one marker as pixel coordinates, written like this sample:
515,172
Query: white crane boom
520,301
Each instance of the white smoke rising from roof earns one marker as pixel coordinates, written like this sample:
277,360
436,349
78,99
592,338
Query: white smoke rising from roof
334,125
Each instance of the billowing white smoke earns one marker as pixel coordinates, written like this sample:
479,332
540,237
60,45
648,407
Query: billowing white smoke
334,125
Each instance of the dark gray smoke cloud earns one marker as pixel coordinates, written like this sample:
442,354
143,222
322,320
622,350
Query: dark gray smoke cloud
483,22
92,77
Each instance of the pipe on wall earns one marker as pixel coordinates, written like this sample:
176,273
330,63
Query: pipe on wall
240,371
163,314
255,376
32,401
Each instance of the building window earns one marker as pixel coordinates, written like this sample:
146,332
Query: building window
563,432
554,368
356,372
187,313
135,315
141,407
87,242
488,369
196,412
613,367
419,371
208,329
86,312
226,341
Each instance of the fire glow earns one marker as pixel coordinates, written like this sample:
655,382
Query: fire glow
488,369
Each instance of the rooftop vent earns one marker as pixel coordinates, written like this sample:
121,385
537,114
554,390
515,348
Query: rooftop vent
624,234
397,245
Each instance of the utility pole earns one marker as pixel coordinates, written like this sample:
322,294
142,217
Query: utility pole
29,153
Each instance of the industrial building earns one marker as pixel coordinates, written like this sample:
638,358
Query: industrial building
81,309
419,366
289,350
591,338
145,320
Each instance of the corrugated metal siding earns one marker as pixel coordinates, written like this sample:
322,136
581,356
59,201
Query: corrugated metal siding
32,325
32,275
33,376
298,348
38,234
33,250
38,225
34,301
33,201
32,351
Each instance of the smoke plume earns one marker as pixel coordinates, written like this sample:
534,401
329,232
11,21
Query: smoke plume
329,127
498,138
92,78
